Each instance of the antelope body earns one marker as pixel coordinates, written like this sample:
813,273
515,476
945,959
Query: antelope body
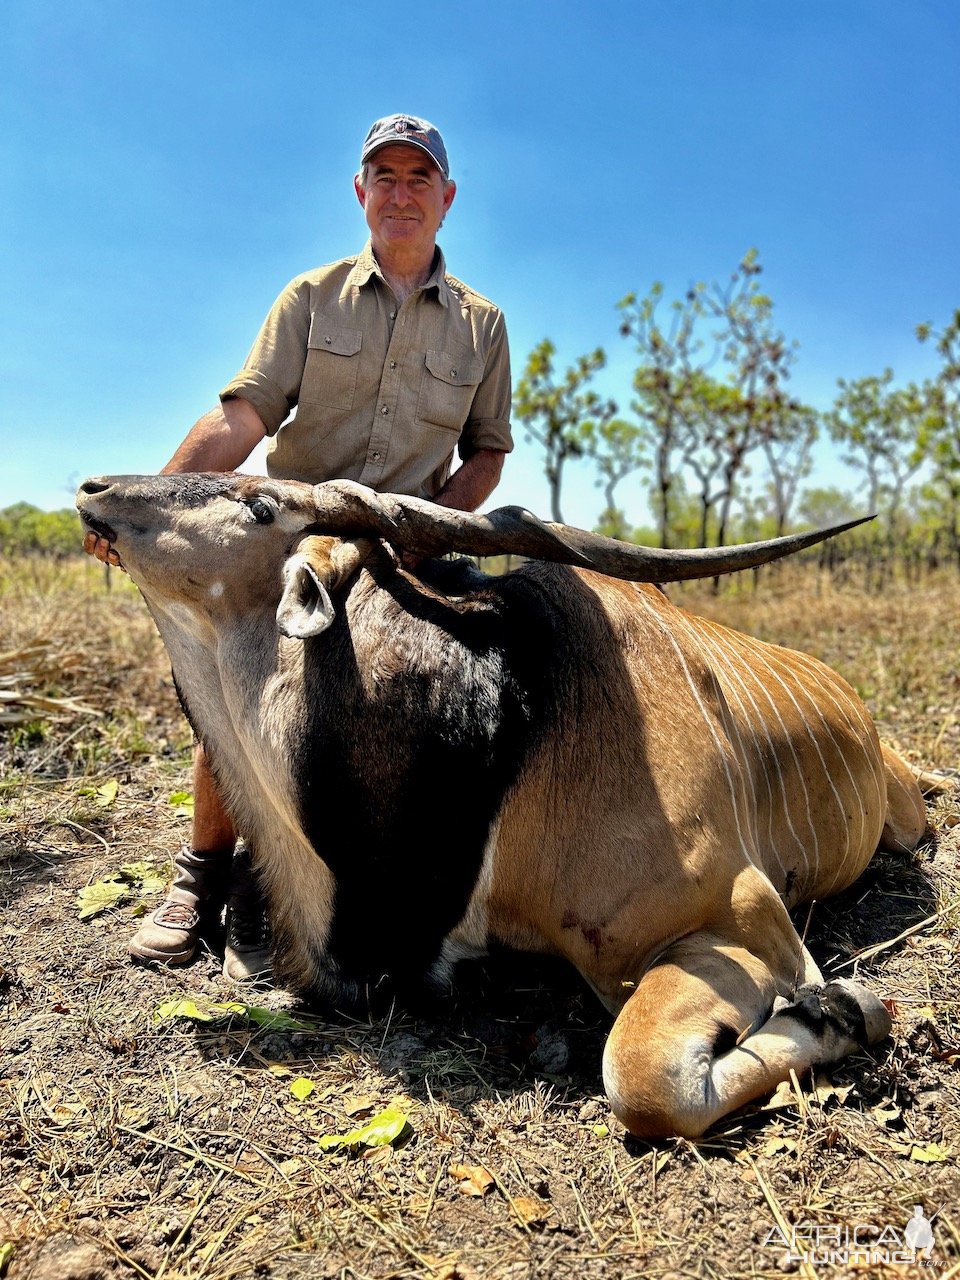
556,760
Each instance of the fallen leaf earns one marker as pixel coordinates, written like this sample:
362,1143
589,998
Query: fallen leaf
103,796
358,1106
6,1253
779,1146
600,1130
531,1212
886,1115
782,1096
302,1088
932,1153
143,876
182,802
271,1019
209,1011
101,896
827,1091
473,1179
382,1131
184,1007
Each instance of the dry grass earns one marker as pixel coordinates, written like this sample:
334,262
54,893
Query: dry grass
176,1150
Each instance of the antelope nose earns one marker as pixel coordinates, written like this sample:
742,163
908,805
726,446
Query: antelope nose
94,486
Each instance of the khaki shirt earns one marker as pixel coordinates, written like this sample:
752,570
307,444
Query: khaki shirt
382,394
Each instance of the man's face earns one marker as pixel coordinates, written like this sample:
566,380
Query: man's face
405,199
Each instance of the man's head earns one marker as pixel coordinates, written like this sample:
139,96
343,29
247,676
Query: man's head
404,184
413,132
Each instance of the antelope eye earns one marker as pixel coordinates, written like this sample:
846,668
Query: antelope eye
261,511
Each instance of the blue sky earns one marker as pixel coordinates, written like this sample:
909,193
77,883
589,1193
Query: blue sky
168,167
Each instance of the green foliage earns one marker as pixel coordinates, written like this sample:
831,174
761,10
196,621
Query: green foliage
381,1131
132,881
709,391
939,430
199,1009
25,529
879,426
558,413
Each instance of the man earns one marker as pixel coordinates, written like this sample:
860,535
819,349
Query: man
373,369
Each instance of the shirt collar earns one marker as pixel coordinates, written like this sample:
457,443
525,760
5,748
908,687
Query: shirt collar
366,268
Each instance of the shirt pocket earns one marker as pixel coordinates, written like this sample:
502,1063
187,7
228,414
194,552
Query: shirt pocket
447,389
332,365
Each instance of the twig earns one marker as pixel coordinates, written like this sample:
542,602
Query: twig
868,952
195,1154
182,1233
65,822
807,1270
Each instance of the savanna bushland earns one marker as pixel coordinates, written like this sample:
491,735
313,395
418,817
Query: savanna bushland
168,1124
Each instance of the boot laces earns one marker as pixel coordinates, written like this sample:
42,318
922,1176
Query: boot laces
247,924
176,915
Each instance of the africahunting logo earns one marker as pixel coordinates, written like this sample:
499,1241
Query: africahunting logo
858,1245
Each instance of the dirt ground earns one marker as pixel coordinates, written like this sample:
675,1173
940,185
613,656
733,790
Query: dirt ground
140,1144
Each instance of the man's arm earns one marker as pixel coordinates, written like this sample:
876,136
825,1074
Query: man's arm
219,441
471,484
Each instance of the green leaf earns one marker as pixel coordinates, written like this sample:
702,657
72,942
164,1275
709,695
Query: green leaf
184,1007
101,896
6,1253
182,802
381,1131
302,1088
104,796
932,1153
210,1011
274,1019
143,876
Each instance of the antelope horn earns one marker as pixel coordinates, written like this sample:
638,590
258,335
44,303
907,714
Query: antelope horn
411,524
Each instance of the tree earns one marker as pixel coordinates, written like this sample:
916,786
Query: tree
561,415
758,358
939,432
879,427
820,507
705,406
787,445
25,529
617,448
661,385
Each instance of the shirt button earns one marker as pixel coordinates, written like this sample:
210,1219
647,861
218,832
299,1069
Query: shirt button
384,410
453,373
393,364
328,341
375,457
393,315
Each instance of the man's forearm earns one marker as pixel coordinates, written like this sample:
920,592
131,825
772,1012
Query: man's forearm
219,441
474,482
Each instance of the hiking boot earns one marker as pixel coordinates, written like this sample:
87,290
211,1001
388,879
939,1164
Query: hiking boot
171,934
246,954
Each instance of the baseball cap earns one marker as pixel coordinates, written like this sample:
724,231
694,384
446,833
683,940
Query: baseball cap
411,130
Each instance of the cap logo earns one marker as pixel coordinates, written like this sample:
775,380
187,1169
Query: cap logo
401,126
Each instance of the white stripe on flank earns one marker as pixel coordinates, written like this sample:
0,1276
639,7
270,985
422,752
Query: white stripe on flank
728,655
722,750
860,729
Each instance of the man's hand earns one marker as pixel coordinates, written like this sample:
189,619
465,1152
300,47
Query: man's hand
219,441
101,549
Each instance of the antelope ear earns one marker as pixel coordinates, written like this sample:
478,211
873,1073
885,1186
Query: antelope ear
305,608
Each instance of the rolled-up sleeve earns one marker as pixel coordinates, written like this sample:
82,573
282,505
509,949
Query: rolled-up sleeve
488,426
273,370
